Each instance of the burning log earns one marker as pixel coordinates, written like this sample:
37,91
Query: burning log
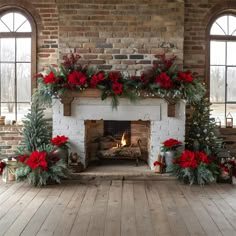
121,153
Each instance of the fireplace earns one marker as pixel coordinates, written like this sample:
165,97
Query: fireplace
88,112
117,140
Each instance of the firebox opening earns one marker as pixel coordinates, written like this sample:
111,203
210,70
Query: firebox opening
104,141
117,129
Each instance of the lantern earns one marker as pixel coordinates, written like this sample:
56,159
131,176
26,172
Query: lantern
218,122
229,121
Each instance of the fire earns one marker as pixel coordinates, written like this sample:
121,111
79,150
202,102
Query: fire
123,140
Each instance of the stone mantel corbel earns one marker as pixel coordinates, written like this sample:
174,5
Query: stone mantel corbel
68,97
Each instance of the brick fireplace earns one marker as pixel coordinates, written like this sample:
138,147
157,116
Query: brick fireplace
76,113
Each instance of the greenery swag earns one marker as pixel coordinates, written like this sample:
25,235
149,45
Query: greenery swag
163,80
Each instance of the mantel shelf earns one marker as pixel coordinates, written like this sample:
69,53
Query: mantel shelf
68,97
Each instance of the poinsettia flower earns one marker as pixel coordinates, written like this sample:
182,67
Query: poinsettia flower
188,160
50,78
164,80
202,157
114,76
185,77
59,140
37,159
96,79
170,143
77,78
117,88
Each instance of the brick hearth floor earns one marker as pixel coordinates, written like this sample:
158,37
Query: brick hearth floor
117,208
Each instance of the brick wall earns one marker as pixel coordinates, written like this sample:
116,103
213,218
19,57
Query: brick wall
120,34
9,139
198,14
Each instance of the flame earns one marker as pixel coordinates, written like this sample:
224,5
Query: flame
123,140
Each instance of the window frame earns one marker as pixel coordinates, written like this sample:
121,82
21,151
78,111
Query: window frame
219,38
32,35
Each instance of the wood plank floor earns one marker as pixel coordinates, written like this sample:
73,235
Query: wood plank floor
116,207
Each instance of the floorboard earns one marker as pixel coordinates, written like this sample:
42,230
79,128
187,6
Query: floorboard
118,208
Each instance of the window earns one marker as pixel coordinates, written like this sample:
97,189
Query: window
223,66
15,65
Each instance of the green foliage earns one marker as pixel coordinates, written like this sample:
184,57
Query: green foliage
35,132
36,138
203,174
163,80
202,131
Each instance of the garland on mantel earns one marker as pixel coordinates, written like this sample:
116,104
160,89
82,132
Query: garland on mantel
163,80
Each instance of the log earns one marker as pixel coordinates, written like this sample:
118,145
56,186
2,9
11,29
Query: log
122,152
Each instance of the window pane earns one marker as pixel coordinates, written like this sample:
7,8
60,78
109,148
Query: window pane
3,27
7,82
231,88
217,84
18,20
7,49
231,56
8,20
23,47
217,53
216,30
23,82
8,110
222,22
22,110
232,24
218,110
26,27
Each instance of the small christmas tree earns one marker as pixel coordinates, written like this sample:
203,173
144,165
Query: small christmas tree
202,130
36,131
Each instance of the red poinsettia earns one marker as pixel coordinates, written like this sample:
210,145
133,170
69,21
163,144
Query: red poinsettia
59,140
114,76
164,80
96,79
50,78
170,144
37,160
77,78
188,159
117,88
185,77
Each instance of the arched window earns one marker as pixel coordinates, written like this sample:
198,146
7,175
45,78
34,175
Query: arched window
223,66
15,64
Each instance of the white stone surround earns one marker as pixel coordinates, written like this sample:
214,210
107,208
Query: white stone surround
162,127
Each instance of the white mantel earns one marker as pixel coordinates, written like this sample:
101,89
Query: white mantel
155,110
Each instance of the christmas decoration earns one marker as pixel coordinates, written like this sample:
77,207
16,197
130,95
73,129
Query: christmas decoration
36,131
36,158
194,167
201,134
163,80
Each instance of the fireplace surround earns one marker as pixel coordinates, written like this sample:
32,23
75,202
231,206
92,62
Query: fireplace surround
69,118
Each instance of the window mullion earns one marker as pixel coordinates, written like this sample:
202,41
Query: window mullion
15,80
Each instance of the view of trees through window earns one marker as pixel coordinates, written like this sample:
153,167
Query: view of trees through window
15,65
223,67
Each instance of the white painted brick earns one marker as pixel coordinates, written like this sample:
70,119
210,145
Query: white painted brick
161,126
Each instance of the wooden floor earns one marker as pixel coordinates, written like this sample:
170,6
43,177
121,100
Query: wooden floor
117,207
